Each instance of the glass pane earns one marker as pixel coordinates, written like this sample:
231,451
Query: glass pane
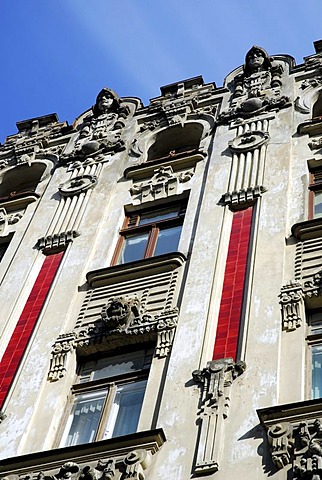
158,215
318,205
168,240
84,418
317,371
133,248
116,365
125,413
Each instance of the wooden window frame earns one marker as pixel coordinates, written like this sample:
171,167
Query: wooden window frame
131,226
315,186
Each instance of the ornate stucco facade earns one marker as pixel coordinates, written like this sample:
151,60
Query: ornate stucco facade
161,283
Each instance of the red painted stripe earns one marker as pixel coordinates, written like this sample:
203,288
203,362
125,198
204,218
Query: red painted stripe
226,343
26,323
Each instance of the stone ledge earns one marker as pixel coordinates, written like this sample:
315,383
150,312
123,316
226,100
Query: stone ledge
308,229
135,270
151,440
290,412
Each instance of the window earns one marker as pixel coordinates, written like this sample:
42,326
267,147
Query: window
149,233
107,398
315,343
315,199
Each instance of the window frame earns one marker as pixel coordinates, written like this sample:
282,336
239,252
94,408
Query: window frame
131,226
315,186
110,386
313,339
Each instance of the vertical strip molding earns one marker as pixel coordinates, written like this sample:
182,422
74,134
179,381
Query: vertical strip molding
23,331
231,305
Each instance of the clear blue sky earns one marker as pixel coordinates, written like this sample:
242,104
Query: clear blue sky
57,54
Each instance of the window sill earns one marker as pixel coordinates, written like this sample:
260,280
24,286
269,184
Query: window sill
308,229
310,127
151,441
134,270
13,204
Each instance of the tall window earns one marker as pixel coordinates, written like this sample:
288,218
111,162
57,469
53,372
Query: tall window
315,344
107,398
315,200
149,233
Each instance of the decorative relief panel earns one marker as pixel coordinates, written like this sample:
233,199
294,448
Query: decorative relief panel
44,135
134,311
294,433
257,89
77,185
100,133
163,184
216,381
75,194
248,163
128,457
291,301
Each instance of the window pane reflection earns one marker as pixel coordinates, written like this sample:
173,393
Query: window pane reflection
134,248
168,240
85,418
318,205
317,371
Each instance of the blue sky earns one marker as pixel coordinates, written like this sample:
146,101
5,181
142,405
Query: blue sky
57,54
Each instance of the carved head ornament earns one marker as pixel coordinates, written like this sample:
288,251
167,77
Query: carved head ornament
106,101
256,60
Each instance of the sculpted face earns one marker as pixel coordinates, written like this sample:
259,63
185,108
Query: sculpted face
256,60
105,102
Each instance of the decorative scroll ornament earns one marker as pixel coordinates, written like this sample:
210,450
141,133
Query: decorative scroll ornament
135,463
126,463
315,143
281,443
242,197
248,141
291,301
68,470
299,444
64,344
312,288
77,185
59,240
216,379
164,183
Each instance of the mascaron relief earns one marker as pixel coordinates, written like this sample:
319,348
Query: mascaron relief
120,317
257,89
100,133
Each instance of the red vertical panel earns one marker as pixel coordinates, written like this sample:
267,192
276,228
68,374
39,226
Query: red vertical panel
233,288
26,323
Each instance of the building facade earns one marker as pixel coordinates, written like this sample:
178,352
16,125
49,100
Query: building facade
161,283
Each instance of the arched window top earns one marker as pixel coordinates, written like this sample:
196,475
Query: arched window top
21,180
176,140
